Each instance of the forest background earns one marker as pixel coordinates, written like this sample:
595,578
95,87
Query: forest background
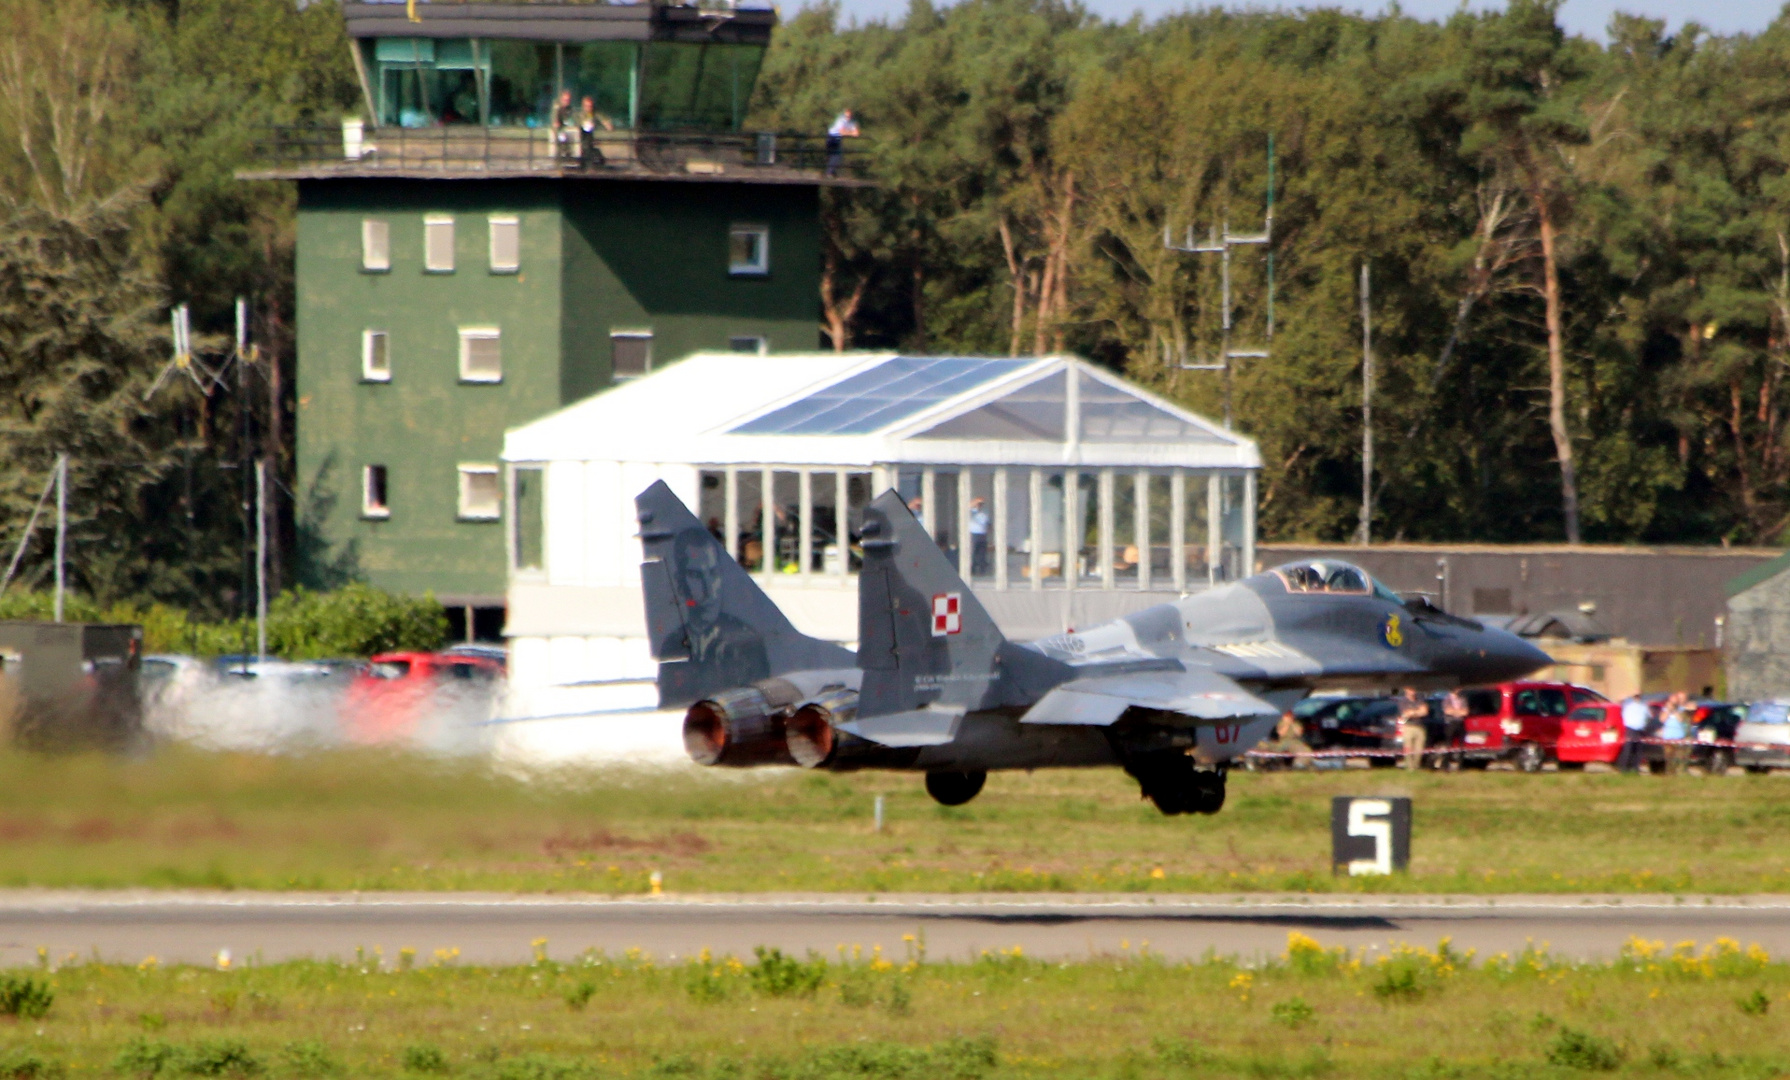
1580,254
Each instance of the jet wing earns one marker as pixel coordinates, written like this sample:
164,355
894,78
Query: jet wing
1099,700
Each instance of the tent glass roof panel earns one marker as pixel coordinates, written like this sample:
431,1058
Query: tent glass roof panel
880,396
1032,413
1112,415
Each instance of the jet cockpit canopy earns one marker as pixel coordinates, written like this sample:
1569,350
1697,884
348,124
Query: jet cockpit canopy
1332,576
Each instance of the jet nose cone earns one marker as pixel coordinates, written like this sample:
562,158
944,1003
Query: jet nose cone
1508,656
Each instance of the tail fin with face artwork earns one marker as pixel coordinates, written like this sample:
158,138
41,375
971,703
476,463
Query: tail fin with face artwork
710,626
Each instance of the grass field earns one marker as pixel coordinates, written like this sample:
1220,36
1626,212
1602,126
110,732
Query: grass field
370,821
1713,1011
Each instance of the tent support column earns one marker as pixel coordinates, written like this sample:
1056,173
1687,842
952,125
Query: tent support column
1177,529
1036,540
805,502
999,537
1140,528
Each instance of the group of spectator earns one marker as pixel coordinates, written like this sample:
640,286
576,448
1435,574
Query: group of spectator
575,129
1672,725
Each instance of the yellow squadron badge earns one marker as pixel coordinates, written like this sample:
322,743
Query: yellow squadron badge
1391,632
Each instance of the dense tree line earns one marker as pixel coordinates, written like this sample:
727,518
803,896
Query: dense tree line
122,123
1580,253
1580,269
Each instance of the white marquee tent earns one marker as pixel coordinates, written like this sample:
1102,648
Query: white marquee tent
1066,494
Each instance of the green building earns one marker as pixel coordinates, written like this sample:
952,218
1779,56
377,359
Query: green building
540,200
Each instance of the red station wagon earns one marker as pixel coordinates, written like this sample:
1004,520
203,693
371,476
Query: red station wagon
1518,722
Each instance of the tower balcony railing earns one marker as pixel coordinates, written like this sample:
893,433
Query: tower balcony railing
357,150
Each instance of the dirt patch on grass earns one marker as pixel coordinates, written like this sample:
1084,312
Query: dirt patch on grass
566,845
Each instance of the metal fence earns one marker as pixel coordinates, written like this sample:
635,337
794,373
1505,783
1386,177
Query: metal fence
508,151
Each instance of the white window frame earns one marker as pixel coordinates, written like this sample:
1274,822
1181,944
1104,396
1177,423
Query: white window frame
758,268
368,373
465,472
368,509
375,245
480,333
615,335
496,222
761,349
432,261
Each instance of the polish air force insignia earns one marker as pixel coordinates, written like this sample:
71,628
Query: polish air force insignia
946,618
1391,632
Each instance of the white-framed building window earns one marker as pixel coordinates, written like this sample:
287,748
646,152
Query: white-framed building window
749,250
630,353
506,244
756,344
481,354
481,493
373,493
375,245
438,243
375,356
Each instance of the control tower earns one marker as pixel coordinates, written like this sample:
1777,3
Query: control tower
536,201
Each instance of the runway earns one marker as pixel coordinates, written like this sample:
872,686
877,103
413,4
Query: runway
193,927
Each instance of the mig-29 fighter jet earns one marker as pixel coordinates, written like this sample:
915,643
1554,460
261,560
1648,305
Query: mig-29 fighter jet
1173,693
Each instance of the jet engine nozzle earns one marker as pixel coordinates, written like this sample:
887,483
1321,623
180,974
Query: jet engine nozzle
737,728
810,735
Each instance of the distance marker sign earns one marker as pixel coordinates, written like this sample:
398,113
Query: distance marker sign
1369,835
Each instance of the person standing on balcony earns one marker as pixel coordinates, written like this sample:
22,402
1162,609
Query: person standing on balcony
843,128
563,122
589,119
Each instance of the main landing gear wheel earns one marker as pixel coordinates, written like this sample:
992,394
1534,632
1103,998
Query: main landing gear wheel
954,788
1169,780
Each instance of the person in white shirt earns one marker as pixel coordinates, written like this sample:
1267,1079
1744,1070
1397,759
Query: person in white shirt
1635,718
843,128
979,522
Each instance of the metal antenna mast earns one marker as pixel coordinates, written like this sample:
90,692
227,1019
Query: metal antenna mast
1220,243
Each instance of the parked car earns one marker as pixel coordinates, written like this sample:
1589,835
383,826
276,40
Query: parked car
1518,722
1762,737
1350,723
396,692
1594,733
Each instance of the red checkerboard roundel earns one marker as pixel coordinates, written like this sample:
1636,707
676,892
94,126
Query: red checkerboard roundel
945,613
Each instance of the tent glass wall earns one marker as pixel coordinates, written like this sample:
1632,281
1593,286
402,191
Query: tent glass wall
1009,527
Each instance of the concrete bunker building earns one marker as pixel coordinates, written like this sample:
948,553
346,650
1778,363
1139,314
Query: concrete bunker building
1066,495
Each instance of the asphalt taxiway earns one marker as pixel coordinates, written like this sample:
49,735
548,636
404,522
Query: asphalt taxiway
194,927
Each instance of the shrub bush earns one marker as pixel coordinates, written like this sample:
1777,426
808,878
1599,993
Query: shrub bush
776,975
1574,1049
355,620
24,996
425,1058
18,1064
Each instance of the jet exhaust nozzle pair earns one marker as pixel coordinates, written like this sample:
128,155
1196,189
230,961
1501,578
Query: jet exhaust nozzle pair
768,723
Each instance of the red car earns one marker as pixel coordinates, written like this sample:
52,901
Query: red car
1518,722
1592,732
395,690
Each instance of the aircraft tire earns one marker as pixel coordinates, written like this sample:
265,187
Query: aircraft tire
1208,793
955,788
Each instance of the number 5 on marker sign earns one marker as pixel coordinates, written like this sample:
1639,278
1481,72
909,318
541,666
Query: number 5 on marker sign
1370,835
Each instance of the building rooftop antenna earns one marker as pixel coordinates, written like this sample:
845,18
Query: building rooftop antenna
1220,243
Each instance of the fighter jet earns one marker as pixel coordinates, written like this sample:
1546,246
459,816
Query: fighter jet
1173,694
